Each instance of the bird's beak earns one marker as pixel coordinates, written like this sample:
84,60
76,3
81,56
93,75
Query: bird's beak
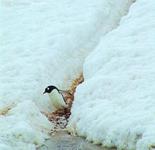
44,92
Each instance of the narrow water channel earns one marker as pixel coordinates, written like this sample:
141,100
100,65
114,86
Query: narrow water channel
63,141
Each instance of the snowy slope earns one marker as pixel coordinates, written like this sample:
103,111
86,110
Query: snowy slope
115,105
42,43
46,42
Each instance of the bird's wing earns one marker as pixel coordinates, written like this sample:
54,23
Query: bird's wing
66,96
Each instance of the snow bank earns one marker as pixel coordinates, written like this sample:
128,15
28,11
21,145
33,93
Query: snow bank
42,43
23,127
115,105
46,42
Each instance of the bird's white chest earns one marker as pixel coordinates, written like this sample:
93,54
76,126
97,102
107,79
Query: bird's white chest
57,99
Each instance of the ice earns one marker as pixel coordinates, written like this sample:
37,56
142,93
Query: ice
115,105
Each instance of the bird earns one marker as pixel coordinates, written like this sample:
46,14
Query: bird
57,96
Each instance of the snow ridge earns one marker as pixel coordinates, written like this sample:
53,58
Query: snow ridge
116,101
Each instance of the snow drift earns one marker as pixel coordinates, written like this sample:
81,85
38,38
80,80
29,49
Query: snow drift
115,105
42,43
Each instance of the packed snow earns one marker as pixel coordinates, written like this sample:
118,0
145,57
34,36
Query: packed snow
52,42
115,106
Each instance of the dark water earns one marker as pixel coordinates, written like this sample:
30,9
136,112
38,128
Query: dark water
64,141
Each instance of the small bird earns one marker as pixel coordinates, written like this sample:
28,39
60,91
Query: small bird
57,96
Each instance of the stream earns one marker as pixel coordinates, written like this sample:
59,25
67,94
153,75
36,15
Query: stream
63,141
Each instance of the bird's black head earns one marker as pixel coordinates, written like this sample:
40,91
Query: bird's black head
50,88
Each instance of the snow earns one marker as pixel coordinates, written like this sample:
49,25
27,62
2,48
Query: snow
23,127
43,43
38,37
52,42
115,105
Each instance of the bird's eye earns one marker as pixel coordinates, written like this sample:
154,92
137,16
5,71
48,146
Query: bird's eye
47,89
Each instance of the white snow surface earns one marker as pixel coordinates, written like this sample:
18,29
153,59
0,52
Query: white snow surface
43,43
51,42
115,105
